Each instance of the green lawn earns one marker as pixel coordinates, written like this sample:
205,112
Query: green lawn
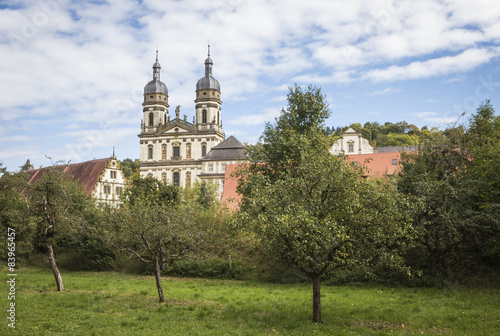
119,304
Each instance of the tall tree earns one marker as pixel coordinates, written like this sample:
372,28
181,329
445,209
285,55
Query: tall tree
481,145
312,209
453,189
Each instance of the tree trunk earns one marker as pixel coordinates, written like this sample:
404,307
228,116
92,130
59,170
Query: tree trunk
53,265
158,280
317,298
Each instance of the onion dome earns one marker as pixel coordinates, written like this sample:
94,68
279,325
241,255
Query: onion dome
156,85
208,82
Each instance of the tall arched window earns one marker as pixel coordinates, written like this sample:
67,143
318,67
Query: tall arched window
150,152
218,118
176,179
203,150
204,116
151,119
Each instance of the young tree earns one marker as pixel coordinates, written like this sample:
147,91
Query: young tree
57,206
312,209
14,212
155,225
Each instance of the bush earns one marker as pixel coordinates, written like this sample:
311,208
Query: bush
215,268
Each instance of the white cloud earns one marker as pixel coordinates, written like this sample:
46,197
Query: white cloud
425,114
256,119
432,117
385,91
465,61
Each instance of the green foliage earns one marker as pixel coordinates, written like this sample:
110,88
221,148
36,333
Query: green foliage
481,144
130,168
149,191
214,268
455,228
14,213
304,117
395,139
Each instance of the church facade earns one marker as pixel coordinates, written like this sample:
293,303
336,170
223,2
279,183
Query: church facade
177,151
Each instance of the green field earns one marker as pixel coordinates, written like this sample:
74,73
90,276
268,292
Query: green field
120,304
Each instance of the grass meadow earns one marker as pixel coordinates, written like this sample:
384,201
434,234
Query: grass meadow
110,303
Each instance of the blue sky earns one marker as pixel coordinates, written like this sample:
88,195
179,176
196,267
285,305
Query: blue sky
72,73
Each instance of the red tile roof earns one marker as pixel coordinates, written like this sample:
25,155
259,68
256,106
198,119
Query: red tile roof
85,173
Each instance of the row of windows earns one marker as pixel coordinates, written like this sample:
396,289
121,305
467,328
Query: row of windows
151,119
211,168
176,178
204,118
107,190
176,152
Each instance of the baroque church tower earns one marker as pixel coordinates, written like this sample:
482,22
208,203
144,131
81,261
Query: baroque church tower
171,148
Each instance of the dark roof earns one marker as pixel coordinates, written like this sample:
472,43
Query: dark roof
155,86
397,149
85,173
229,149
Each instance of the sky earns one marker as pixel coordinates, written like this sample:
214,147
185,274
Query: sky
72,73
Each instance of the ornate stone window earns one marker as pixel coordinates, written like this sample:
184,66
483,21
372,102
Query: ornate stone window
151,119
204,116
164,152
176,178
176,150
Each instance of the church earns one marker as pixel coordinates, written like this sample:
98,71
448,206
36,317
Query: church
180,152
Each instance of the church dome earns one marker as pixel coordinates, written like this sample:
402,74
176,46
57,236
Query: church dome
156,85
208,82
